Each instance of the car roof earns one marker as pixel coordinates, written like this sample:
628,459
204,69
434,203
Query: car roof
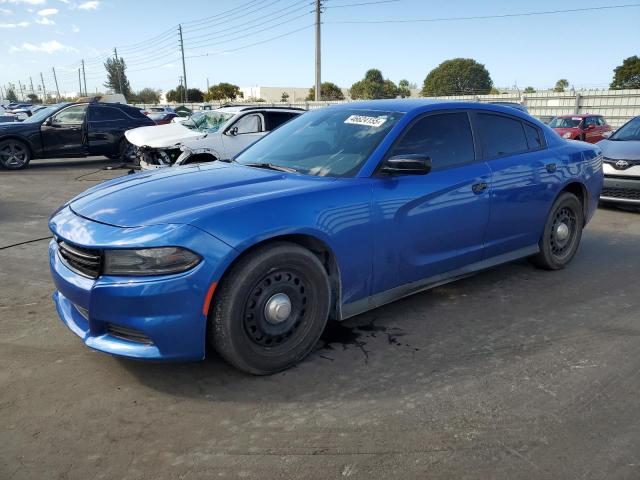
408,105
581,115
244,108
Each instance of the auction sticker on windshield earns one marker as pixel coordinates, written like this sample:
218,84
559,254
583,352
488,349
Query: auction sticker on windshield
365,120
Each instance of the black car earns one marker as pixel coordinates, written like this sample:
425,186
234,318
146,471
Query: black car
70,130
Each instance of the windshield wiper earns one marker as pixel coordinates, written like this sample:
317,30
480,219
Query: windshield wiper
271,166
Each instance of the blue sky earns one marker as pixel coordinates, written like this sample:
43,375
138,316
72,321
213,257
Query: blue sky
225,40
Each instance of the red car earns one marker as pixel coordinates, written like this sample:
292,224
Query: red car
585,127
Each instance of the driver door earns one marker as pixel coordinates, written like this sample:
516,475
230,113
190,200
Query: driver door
63,133
242,133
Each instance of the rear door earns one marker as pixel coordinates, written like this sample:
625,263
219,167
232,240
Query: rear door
522,174
430,224
105,128
64,134
242,133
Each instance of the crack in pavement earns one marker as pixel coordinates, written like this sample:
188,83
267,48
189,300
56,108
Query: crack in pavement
26,242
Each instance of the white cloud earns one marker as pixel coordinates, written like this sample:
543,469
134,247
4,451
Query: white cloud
45,21
14,25
75,28
50,47
30,2
47,12
5,11
91,5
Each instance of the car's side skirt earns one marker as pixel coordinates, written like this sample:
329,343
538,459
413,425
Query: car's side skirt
396,293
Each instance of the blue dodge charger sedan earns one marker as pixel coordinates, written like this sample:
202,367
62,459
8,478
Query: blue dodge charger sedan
338,211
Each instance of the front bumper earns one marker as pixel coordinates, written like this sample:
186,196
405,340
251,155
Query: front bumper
165,314
621,190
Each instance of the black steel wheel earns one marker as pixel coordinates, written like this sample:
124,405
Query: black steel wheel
14,154
562,233
270,308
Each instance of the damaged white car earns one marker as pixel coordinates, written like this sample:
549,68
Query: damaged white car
207,135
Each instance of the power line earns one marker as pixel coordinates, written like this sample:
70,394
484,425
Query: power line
244,35
225,22
221,14
252,44
486,17
360,4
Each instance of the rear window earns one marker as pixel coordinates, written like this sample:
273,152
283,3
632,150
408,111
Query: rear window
501,135
275,119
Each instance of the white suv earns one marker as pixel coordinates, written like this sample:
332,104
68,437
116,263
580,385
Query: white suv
207,135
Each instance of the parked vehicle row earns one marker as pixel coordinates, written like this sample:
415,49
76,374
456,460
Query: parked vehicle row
68,130
338,211
586,127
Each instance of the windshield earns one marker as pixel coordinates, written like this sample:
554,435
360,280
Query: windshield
209,121
324,142
565,122
629,131
40,115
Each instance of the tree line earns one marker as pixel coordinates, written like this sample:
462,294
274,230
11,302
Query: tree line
458,76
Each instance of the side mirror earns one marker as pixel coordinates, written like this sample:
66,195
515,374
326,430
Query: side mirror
409,164
48,122
233,131
591,127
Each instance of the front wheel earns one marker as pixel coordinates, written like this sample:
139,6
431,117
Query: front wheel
562,233
270,309
14,155
128,152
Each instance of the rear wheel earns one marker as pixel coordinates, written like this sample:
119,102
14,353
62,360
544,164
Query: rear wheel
14,154
562,233
271,309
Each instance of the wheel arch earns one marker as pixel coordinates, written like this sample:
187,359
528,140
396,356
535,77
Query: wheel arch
21,140
315,245
579,189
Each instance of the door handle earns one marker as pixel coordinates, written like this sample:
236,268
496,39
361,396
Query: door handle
479,187
551,167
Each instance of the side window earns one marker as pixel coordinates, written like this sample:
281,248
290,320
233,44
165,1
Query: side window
251,123
501,135
445,137
275,119
590,121
602,121
533,137
105,114
73,115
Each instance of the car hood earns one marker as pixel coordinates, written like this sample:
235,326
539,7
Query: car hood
620,150
184,195
161,136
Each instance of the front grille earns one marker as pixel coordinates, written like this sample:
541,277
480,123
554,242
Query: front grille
85,261
623,166
130,334
617,192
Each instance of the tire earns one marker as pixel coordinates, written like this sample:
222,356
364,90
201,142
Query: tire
240,327
559,243
14,154
127,152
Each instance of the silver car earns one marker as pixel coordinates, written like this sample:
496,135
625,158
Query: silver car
621,156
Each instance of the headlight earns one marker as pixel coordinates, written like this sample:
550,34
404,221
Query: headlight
149,261
566,135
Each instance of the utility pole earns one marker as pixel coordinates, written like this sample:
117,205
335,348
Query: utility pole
84,77
21,92
318,59
184,68
115,52
79,84
33,92
55,79
44,90
207,84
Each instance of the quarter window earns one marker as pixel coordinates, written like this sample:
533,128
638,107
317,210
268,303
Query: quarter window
533,137
445,138
501,135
